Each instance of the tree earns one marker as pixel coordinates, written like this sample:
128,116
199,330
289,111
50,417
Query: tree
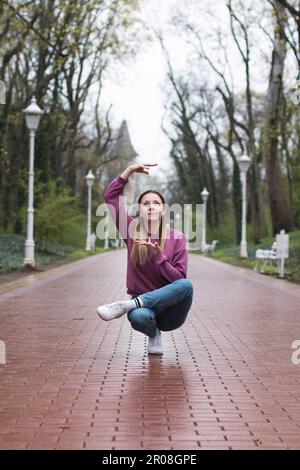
59,51
280,209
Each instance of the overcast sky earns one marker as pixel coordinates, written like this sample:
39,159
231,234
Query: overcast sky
136,90
137,96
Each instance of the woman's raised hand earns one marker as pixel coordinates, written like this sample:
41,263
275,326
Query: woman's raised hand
138,168
141,167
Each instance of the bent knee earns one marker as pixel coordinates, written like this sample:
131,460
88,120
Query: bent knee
186,283
140,316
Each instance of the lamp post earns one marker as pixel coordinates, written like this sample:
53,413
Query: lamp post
204,195
244,164
89,181
32,117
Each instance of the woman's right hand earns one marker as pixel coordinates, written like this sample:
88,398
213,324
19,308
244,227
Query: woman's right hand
141,167
138,168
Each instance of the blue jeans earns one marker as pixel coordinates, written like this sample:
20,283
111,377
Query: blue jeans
165,308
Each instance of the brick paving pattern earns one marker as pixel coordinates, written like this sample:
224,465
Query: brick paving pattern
225,381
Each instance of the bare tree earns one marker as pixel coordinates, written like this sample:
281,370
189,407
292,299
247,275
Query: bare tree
257,211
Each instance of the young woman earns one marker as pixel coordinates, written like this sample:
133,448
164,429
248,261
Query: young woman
157,259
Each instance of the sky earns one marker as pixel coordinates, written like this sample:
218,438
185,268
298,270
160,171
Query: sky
136,90
137,96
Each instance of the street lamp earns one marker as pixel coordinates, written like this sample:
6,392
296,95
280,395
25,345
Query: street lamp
89,181
32,118
244,164
204,195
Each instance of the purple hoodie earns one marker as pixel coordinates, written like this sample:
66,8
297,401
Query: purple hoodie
159,270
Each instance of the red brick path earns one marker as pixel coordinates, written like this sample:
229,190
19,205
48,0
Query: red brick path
225,381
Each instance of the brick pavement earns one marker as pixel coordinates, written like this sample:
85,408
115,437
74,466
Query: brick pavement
225,381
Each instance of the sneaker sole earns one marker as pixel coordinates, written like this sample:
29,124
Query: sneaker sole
155,352
106,316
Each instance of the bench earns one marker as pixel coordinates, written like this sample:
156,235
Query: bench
266,256
206,248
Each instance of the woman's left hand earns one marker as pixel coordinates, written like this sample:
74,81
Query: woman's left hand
154,247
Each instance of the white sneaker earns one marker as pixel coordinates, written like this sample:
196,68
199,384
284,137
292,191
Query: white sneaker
110,311
155,344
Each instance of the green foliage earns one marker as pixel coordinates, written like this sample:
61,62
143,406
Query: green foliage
230,253
12,250
226,232
58,218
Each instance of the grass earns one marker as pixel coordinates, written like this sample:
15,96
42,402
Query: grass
46,254
230,253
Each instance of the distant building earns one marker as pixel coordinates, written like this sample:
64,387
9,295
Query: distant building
123,154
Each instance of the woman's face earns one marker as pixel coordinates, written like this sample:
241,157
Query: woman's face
151,207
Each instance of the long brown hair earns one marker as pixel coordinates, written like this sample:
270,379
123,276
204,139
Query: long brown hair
141,232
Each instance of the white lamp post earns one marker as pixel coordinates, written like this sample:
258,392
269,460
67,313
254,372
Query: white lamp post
204,195
89,181
32,117
244,164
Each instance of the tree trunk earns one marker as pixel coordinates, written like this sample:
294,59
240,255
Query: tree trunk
280,210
